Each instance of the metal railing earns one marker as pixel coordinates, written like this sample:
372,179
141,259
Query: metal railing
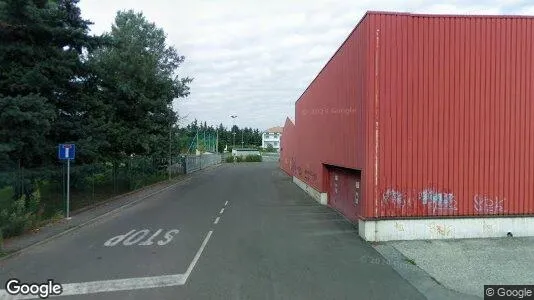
194,163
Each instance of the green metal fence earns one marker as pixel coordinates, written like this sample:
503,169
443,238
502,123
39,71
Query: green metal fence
30,196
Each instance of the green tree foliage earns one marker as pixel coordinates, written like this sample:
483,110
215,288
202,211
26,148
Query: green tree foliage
111,95
42,74
186,136
138,83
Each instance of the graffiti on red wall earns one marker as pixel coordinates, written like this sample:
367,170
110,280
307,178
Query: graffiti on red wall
395,201
407,201
487,205
298,171
401,202
394,197
307,174
310,176
438,202
291,164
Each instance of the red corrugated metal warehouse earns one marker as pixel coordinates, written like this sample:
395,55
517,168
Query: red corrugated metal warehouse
419,127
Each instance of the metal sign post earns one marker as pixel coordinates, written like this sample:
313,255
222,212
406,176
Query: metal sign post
68,188
67,152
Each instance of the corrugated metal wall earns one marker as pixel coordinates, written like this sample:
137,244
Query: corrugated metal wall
329,115
288,144
452,111
435,110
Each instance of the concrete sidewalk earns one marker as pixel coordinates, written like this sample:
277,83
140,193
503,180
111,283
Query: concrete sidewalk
459,269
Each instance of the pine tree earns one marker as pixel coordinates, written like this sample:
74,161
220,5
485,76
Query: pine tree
41,77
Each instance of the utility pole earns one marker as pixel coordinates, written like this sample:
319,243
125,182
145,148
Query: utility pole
170,149
170,142
233,122
242,143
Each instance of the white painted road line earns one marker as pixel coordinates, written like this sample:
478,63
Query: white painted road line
216,220
197,256
125,284
225,203
222,210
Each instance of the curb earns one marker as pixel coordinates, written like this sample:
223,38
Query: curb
90,221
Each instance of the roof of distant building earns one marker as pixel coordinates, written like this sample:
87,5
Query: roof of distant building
277,129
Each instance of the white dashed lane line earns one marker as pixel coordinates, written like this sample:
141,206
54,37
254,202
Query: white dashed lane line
220,213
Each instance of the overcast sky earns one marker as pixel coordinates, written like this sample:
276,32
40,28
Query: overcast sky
254,58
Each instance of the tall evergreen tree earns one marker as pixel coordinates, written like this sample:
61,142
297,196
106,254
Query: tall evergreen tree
139,83
41,76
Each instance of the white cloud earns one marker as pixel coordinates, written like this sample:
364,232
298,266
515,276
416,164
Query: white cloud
529,10
255,58
461,9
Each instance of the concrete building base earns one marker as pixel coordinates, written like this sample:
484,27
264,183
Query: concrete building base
318,196
459,228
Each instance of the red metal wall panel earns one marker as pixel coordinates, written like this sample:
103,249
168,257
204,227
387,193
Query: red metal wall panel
434,110
329,115
454,97
288,145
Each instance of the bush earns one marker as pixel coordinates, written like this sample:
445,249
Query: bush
14,220
253,158
229,159
239,158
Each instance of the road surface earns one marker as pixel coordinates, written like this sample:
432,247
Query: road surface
238,231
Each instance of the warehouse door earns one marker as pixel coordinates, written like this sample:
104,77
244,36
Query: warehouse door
344,191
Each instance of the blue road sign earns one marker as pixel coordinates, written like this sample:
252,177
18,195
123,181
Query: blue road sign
67,151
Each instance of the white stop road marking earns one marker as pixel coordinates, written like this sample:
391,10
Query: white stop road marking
134,237
125,284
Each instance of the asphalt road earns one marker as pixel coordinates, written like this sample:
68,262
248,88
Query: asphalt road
238,231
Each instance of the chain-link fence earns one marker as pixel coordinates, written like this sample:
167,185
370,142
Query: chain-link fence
30,196
197,162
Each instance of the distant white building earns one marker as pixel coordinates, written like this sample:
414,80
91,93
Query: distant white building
272,137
